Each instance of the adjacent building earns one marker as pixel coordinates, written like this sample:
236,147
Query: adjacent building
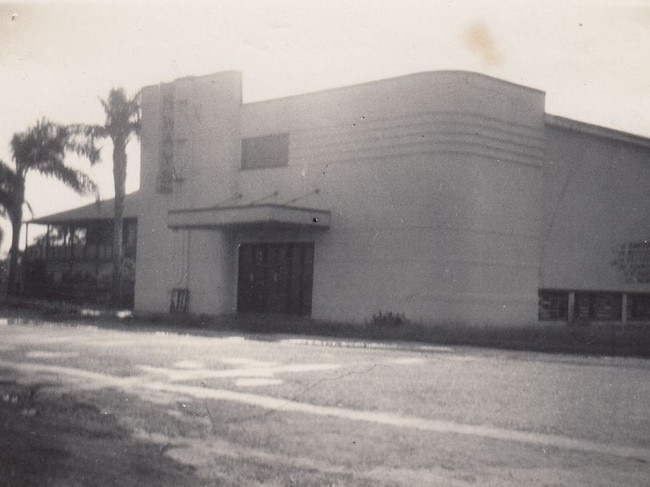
71,260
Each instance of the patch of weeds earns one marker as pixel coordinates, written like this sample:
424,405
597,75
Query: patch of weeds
257,472
387,320
389,326
182,419
18,398
70,442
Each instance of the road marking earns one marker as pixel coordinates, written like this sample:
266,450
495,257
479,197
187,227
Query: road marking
247,362
188,364
45,354
255,382
407,361
364,344
177,375
138,384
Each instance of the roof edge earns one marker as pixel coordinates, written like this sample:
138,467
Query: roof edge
90,212
237,207
442,72
596,130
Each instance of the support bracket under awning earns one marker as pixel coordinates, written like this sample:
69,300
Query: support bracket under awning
270,215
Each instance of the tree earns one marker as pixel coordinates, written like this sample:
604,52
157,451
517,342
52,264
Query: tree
122,121
8,189
41,148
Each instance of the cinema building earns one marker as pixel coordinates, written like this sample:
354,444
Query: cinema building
445,196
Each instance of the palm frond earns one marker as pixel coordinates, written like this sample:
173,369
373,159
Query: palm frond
43,148
43,144
84,130
82,140
122,114
76,180
29,208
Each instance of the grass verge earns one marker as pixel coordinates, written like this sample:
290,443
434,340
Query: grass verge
585,339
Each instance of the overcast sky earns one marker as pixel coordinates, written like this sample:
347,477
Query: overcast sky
592,58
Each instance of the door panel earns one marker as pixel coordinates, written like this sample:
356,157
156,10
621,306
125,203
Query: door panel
277,292
307,279
275,278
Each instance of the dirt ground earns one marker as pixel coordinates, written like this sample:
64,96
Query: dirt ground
57,440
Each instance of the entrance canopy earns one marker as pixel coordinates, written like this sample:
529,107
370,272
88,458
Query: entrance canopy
272,215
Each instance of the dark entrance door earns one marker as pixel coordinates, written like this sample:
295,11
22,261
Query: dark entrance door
275,278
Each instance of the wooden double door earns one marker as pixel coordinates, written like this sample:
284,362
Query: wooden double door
275,278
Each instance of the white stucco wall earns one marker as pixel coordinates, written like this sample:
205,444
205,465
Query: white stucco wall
434,183
596,198
206,159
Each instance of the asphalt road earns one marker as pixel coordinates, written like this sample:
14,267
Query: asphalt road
368,413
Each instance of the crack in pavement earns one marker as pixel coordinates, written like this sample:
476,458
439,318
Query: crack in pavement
141,384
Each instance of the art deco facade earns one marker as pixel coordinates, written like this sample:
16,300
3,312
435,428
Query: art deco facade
445,196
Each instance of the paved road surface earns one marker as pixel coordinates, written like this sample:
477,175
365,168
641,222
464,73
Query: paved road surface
416,415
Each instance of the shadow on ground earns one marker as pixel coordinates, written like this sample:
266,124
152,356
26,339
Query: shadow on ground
53,440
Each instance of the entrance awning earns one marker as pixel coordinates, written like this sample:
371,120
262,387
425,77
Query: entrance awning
270,215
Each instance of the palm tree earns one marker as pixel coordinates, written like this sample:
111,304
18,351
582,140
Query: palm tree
8,186
122,121
42,149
